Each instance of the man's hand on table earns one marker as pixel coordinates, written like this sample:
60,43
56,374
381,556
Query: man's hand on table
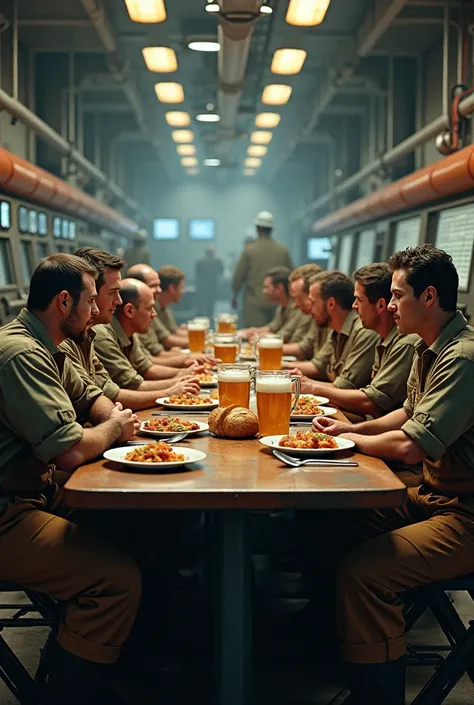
129,421
194,368
325,424
187,384
201,359
307,384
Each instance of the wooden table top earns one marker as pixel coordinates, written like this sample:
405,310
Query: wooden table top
237,474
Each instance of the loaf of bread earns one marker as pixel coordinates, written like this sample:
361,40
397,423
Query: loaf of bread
233,422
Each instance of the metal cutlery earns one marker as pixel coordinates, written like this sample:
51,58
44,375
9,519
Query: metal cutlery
171,439
315,462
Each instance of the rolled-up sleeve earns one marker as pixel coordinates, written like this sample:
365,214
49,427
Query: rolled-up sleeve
359,362
437,421
388,388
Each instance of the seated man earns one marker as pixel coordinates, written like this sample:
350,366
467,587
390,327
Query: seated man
82,353
41,400
172,287
431,538
347,356
315,337
119,349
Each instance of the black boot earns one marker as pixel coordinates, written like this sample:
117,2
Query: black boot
378,683
75,681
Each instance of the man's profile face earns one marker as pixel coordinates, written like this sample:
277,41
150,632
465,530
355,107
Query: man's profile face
144,313
108,296
318,306
300,297
152,280
408,311
367,311
81,316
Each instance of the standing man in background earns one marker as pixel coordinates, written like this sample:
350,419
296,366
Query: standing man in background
208,272
255,261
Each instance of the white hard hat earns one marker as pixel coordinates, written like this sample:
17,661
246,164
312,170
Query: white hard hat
264,220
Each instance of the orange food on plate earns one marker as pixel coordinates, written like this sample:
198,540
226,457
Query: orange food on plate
170,424
188,399
206,377
308,440
154,453
215,395
307,405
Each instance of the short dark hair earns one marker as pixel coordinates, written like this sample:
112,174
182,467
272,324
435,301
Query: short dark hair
100,260
335,285
305,272
425,266
169,274
279,275
129,294
376,279
56,273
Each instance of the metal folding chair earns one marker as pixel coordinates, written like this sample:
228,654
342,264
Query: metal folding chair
25,688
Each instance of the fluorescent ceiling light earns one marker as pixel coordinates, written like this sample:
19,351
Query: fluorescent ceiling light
253,162
189,161
160,59
182,136
266,10
288,61
257,150
212,7
192,172
261,137
211,162
146,10
168,92
249,172
208,117
204,45
276,94
186,150
306,13
267,120
177,119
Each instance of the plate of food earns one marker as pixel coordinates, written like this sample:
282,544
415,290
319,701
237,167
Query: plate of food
207,379
165,425
308,407
215,395
154,456
188,402
307,443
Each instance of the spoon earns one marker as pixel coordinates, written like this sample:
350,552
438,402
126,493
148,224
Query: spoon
295,463
171,439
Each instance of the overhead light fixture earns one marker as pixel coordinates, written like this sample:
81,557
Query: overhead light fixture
189,161
146,10
267,120
186,150
249,172
207,44
182,136
177,119
253,162
257,150
261,137
211,162
306,13
276,94
266,10
194,171
168,92
208,117
288,61
160,59
212,6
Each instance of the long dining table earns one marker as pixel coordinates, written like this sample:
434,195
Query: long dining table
236,477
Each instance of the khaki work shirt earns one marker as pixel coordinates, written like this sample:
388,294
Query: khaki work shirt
166,316
124,358
347,357
151,340
313,340
88,366
393,361
255,261
41,398
441,410
290,322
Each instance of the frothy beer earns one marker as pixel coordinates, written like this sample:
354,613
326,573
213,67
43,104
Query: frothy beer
226,323
226,348
197,336
234,385
273,404
270,352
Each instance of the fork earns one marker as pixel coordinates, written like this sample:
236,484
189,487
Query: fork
295,463
171,439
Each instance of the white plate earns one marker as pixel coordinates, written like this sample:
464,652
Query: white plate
273,441
320,401
208,385
118,456
186,407
326,411
166,434
289,358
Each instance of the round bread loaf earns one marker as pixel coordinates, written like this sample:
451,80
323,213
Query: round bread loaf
233,422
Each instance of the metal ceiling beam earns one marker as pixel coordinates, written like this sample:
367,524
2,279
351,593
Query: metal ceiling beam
377,23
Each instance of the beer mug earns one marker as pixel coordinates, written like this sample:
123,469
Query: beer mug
226,347
274,391
234,384
197,336
204,320
270,351
226,323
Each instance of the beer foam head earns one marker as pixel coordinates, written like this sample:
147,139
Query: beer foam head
233,375
196,325
270,343
273,385
206,322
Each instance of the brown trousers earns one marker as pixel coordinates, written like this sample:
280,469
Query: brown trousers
385,553
100,584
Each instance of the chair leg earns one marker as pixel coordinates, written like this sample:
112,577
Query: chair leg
16,677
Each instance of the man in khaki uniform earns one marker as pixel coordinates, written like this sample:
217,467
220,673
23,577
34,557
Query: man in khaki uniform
315,337
172,288
41,400
347,356
82,353
120,351
256,259
431,538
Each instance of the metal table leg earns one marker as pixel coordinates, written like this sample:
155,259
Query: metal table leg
232,605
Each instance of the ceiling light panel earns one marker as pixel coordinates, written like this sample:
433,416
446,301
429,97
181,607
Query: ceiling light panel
267,120
189,161
146,10
208,117
261,137
186,150
257,150
168,92
288,62
204,45
276,94
160,59
212,162
306,13
253,162
182,136
177,119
